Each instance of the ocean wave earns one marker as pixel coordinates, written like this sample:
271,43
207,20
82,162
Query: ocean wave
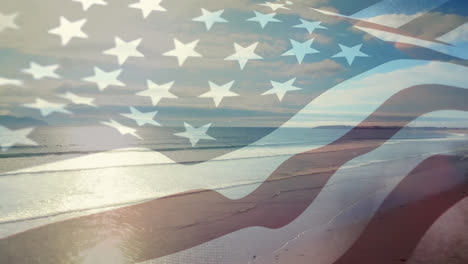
166,149
286,152
110,206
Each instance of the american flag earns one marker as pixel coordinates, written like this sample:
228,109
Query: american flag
128,84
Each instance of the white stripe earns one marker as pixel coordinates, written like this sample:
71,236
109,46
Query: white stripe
460,52
390,13
329,13
396,20
394,13
458,36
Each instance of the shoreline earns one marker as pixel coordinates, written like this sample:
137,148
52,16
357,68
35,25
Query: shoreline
303,172
291,193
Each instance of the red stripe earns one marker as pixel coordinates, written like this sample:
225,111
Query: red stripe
372,25
439,21
396,229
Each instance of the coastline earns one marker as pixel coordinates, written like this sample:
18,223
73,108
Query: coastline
290,193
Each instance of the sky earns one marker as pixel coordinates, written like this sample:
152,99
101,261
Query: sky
253,100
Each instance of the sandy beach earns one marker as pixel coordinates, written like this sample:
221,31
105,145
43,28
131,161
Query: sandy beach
139,233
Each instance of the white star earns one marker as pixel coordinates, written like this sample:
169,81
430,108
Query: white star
148,6
280,89
350,53
264,19
39,71
15,137
156,92
195,134
142,118
218,92
47,108
210,18
183,51
274,6
5,81
243,55
124,130
105,79
300,50
309,26
123,49
8,21
78,100
88,3
68,30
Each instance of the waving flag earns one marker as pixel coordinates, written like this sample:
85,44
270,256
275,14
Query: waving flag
108,106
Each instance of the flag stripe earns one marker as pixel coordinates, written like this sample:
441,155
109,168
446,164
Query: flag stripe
382,28
395,13
138,230
410,45
438,21
396,229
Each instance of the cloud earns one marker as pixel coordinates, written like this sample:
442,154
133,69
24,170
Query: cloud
5,81
322,69
369,89
5,112
392,20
